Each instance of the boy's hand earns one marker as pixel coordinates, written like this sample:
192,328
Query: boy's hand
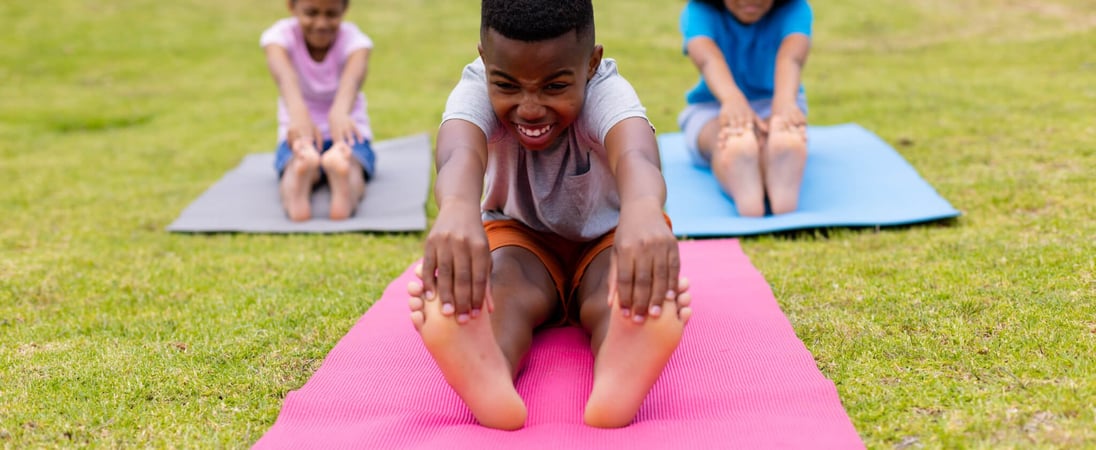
737,117
457,261
645,262
343,129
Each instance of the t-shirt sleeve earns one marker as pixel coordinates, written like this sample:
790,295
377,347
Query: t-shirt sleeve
798,18
609,100
356,39
698,19
468,101
279,34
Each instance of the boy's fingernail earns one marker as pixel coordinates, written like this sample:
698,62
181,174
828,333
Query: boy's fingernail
475,313
627,312
447,309
670,294
655,310
429,295
463,318
637,318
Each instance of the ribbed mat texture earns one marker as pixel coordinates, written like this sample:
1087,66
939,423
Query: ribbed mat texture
740,379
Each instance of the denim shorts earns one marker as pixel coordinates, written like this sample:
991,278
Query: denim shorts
362,151
696,115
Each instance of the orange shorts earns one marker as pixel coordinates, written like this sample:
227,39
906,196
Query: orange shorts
565,260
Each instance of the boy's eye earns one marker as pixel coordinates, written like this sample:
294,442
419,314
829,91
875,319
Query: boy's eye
505,86
557,86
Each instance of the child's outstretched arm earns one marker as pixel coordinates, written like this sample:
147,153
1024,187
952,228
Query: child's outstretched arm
735,112
300,124
790,59
457,259
645,256
350,83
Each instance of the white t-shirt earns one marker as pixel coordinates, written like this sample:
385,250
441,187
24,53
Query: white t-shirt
568,190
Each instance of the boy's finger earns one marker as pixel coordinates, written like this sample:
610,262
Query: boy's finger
660,285
641,286
428,266
462,284
445,281
625,271
481,271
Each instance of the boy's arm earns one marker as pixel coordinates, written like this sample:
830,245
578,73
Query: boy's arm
790,59
645,255
456,251
350,83
285,76
709,60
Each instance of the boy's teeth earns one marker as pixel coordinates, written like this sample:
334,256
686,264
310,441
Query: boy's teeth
534,132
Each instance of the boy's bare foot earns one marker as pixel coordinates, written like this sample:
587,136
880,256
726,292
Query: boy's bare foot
631,359
345,179
296,185
471,361
737,166
785,157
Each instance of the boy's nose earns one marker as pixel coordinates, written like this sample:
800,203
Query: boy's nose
530,109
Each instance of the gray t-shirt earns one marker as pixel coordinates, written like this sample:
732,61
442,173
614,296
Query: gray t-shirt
568,190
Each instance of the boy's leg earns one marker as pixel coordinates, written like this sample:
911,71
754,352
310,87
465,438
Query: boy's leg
736,165
784,158
300,174
346,179
481,358
628,356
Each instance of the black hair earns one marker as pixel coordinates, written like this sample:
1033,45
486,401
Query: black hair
718,4
538,20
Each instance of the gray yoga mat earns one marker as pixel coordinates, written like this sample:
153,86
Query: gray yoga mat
246,199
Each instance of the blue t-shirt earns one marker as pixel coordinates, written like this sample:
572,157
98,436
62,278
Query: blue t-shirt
750,50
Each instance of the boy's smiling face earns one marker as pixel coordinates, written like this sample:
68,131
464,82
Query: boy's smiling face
537,89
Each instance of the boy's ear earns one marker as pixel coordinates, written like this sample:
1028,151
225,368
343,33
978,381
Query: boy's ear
479,48
595,61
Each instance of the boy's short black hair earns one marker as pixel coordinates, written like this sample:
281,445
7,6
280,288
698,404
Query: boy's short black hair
538,20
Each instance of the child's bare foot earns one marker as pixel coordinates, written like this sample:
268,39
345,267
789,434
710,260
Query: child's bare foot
471,361
737,166
631,359
785,157
346,180
296,185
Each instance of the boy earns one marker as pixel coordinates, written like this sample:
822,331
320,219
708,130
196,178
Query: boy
570,228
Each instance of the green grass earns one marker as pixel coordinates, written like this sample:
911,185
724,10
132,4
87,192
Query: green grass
115,115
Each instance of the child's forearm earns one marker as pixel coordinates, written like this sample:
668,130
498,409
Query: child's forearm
633,158
285,77
790,60
350,81
461,162
709,60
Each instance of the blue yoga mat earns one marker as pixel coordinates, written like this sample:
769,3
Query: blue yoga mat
853,179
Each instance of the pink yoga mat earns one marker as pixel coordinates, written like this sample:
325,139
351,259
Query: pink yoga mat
740,379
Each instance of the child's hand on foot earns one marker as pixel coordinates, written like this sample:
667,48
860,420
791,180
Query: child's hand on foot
645,263
457,262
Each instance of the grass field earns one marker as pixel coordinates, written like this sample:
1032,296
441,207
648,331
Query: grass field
115,115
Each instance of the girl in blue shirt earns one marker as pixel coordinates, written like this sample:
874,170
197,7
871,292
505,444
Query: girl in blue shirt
746,118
